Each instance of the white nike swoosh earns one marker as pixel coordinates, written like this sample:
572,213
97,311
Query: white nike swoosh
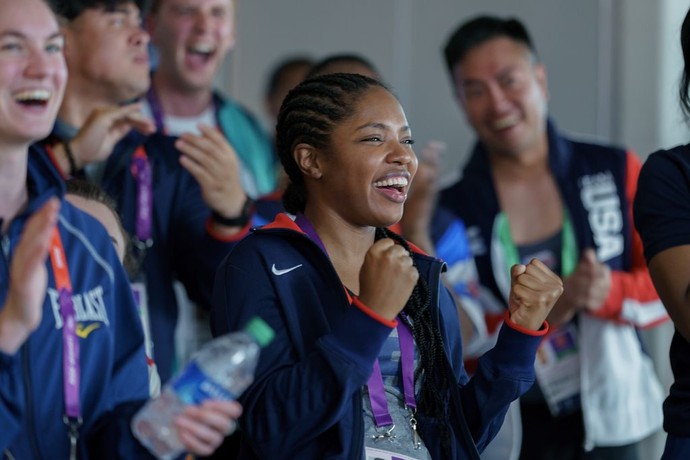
283,271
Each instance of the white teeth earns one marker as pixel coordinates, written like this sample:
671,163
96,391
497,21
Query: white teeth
399,181
506,122
33,95
205,48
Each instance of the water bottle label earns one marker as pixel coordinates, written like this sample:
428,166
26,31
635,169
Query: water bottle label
194,387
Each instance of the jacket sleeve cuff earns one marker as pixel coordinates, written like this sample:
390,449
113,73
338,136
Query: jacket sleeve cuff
543,330
228,238
514,353
357,338
371,313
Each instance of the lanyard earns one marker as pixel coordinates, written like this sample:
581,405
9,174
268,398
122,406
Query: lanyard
141,170
568,251
306,226
70,343
377,392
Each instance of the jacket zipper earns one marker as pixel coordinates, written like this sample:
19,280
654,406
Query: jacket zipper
454,392
5,245
29,401
6,250
359,441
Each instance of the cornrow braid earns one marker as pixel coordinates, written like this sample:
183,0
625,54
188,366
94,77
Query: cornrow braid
429,343
309,114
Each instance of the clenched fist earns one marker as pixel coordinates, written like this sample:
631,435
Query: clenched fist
534,289
387,278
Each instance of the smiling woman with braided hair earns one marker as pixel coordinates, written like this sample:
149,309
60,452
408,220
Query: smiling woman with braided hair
367,359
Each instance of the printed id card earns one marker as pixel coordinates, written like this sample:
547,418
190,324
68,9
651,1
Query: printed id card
557,368
371,453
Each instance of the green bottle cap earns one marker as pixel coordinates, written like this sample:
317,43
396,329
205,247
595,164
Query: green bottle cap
261,331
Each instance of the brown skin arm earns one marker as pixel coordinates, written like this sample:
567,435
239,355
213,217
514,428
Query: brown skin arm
670,272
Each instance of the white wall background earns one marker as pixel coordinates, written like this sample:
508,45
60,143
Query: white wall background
404,39
613,68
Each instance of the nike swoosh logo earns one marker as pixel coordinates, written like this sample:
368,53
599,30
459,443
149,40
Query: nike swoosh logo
84,332
283,271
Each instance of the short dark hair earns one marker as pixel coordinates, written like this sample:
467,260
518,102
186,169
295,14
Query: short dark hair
284,67
322,67
92,192
685,78
479,30
72,9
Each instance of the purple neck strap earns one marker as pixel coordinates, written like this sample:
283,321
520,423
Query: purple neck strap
306,226
377,393
71,370
141,168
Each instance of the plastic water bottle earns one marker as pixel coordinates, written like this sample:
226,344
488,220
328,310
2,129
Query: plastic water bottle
222,369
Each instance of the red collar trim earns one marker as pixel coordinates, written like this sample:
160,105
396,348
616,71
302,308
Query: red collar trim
283,221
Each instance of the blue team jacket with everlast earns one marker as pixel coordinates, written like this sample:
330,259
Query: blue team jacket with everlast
114,376
306,399
184,247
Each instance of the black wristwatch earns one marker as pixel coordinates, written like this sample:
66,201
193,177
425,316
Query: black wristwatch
239,221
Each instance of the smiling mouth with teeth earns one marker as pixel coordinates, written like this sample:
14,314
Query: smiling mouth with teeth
397,183
202,49
504,123
33,97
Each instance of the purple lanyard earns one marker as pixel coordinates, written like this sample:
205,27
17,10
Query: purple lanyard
70,343
377,393
141,169
306,226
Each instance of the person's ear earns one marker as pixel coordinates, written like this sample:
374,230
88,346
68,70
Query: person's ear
307,159
542,80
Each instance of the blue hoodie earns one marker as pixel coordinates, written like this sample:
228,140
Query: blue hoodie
306,399
114,378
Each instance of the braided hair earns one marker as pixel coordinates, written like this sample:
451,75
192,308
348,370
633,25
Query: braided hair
309,114
429,342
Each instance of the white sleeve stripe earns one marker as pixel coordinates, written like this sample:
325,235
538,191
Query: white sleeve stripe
89,247
643,314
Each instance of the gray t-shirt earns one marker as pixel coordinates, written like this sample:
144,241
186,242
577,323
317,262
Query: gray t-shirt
401,445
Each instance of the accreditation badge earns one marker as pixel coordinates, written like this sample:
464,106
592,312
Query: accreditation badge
371,453
141,299
557,368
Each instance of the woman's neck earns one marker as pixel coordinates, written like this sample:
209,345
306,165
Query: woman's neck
13,191
346,245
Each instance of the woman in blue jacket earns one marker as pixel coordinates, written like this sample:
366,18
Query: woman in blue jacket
367,359
72,364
